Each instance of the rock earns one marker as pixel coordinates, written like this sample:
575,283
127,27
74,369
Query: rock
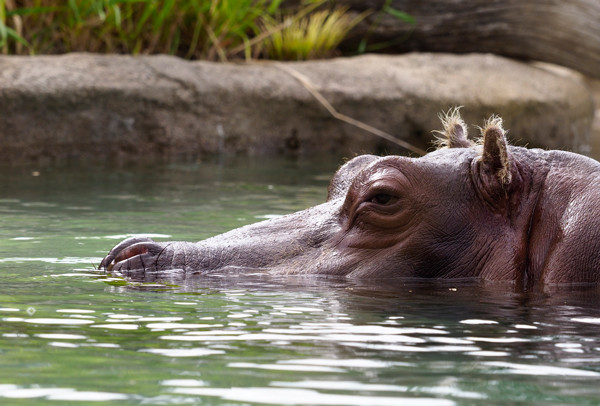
565,33
92,106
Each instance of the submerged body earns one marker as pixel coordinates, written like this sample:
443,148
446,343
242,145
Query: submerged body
466,210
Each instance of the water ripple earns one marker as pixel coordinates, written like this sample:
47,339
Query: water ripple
280,396
48,321
182,352
539,370
66,394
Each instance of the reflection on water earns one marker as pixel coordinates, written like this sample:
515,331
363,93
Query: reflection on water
322,343
72,334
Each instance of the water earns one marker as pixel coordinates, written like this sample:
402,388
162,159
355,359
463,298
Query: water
71,335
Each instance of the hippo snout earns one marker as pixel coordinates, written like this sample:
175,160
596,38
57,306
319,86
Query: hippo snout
147,255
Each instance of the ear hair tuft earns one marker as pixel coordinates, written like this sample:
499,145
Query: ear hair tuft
455,132
494,122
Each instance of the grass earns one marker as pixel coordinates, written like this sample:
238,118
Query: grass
193,29
315,35
199,29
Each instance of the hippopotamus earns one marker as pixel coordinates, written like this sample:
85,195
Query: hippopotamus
479,209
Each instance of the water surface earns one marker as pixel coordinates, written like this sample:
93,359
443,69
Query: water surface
73,335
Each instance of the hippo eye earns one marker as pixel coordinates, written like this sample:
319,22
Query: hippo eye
381,199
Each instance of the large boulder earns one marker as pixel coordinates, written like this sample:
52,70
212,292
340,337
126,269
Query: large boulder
562,32
94,106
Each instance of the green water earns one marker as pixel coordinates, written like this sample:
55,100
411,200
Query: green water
72,335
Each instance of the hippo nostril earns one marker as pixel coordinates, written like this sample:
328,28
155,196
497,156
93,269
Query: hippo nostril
132,251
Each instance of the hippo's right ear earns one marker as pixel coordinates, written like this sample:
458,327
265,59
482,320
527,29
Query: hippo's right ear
343,178
495,162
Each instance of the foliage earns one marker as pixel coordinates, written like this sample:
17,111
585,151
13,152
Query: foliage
314,36
190,28
195,29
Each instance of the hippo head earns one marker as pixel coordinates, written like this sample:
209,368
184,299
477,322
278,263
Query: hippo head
466,210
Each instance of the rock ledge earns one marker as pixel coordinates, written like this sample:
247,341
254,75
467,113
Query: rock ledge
92,106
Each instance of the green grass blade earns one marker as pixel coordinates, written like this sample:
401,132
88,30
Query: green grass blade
400,15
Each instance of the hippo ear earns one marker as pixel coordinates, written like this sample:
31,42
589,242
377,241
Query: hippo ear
495,159
455,133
